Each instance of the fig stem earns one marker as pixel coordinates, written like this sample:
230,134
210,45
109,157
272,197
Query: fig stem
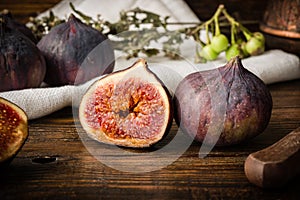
86,18
235,61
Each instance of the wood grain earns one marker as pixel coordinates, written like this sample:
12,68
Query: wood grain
54,164
275,165
24,9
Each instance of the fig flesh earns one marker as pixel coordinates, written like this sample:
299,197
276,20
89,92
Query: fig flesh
245,99
128,108
67,46
21,63
13,130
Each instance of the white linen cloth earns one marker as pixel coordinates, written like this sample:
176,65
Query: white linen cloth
272,66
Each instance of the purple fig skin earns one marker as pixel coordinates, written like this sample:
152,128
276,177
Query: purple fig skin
66,47
245,98
21,63
13,24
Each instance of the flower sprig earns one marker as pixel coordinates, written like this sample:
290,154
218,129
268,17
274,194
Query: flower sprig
136,29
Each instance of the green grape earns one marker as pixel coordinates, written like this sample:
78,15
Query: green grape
259,36
254,46
243,48
233,51
219,43
208,53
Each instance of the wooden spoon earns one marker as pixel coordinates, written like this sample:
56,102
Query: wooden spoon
277,164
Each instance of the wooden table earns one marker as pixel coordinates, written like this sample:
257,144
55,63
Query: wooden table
54,164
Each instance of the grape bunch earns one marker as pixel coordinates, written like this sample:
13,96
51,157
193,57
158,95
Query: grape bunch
242,43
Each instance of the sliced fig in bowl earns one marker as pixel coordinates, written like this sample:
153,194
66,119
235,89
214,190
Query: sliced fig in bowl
130,108
13,130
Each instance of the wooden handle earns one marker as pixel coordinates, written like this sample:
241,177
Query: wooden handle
275,165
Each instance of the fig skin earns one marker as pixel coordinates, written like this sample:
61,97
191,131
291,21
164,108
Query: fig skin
138,105
21,63
13,131
13,24
246,101
66,47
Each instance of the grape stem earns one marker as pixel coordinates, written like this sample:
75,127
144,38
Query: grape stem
232,34
215,19
217,27
235,24
207,33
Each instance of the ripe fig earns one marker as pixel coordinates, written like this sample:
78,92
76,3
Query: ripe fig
21,63
13,130
128,108
13,24
229,97
66,47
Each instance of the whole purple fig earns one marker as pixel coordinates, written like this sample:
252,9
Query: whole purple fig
229,100
67,46
13,24
21,63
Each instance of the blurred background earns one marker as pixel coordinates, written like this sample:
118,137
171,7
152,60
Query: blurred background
249,10
282,14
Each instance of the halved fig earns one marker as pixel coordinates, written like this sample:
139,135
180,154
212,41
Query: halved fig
128,108
13,130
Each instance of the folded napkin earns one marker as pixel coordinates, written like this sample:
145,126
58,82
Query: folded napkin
272,66
178,10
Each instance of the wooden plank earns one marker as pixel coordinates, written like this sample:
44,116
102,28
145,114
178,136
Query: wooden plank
22,10
55,164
